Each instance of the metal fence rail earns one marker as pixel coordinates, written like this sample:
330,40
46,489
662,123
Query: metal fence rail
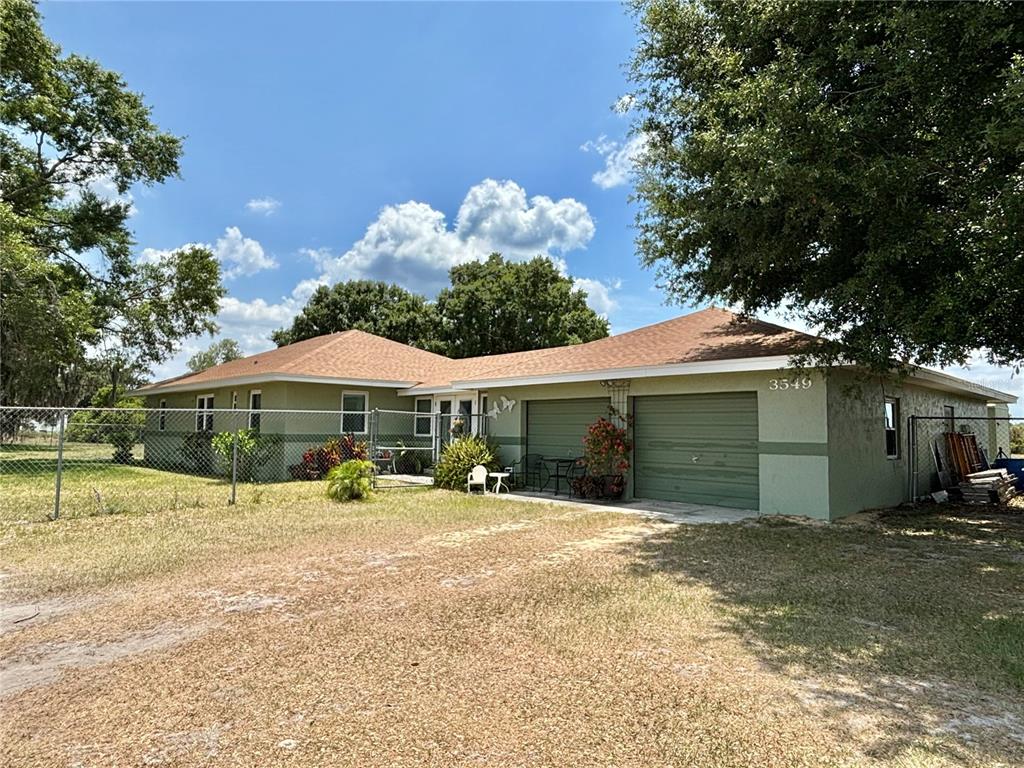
926,446
85,461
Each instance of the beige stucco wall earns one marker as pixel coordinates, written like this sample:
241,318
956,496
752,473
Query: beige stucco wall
860,475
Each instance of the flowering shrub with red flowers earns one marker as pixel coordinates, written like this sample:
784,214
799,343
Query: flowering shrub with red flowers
606,447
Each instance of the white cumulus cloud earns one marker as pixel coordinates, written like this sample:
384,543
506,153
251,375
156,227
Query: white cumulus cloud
240,255
412,244
599,294
266,206
619,159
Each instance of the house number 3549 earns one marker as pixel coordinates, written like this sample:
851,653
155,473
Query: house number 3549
803,382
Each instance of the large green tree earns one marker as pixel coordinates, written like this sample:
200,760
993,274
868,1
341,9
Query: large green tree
384,309
73,141
222,351
497,306
860,163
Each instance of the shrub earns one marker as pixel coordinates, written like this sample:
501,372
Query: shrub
459,457
1017,439
254,450
121,428
351,480
606,448
197,452
318,461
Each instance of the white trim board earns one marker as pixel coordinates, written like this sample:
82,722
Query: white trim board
272,377
774,363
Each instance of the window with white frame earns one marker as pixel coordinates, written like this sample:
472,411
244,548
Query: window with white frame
950,414
892,428
483,413
162,419
234,400
353,412
204,413
422,424
255,404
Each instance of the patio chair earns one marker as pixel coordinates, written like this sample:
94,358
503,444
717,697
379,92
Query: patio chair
530,472
573,473
477,476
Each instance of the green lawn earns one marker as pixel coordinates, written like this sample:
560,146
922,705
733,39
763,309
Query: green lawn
428,627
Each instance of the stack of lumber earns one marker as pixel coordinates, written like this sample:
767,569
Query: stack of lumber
993,486
965,456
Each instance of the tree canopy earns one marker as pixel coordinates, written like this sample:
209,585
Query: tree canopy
383,309
73,141
497,306
861,164
222,351
491,307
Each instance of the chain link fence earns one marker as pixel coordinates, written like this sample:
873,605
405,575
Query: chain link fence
931,468
60,462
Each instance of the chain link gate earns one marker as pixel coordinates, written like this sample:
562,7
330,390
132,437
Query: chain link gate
927,451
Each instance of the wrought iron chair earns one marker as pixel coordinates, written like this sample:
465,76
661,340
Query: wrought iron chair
530,472
575,472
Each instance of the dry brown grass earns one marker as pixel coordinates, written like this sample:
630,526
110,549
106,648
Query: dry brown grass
428,628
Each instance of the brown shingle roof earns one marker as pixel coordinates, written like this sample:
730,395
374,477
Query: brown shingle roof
354,355
711,334
708,335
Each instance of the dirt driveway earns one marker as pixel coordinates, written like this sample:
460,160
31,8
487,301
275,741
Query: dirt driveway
547,636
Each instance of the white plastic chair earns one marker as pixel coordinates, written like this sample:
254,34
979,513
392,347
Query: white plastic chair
477,476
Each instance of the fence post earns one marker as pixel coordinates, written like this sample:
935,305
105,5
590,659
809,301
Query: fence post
374,425
60,463
234,465
911,460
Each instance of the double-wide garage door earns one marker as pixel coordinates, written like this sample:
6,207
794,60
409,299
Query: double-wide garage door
697,448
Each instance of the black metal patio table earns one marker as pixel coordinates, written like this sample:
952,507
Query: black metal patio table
561,472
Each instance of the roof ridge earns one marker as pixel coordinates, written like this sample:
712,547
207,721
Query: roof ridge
313,348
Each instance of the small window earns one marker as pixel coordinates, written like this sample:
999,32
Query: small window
892,428
255,403
353,412
421,427
950,414
204,413
162,420
234,400
483,414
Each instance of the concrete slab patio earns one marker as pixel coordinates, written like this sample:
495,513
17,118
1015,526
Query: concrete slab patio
672,511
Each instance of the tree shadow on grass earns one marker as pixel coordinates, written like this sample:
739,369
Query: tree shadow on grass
920,616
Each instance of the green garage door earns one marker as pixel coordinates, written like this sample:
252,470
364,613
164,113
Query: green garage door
697,448
555,428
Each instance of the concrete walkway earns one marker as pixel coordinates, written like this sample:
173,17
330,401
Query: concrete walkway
672,511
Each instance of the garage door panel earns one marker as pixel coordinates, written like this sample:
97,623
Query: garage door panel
555,428
718,430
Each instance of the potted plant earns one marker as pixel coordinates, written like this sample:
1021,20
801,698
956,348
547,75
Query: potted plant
606,451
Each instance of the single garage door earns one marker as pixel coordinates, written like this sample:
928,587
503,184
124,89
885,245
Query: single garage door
555,428
697,448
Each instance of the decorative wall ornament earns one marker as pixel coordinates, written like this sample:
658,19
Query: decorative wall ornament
504,405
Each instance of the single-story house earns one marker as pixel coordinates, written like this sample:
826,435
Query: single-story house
719,416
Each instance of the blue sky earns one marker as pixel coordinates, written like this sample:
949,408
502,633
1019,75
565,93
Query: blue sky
327,141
